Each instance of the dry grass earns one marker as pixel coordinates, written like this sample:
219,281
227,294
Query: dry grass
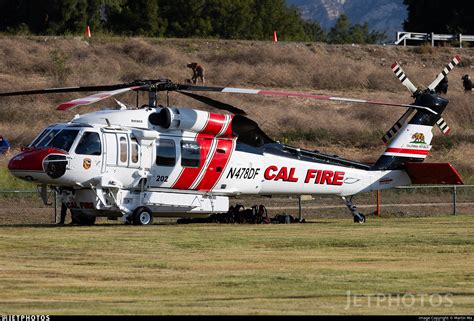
338,70
210,269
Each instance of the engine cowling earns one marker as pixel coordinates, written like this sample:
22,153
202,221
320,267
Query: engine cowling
196,121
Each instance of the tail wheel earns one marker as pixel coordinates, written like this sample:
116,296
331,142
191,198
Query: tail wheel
142,216
359,219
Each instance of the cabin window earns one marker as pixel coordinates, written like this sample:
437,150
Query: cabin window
190,154
123,150
89,144
135,151
165,152
64,139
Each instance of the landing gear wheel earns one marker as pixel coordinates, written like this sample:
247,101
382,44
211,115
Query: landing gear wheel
359,219
142,216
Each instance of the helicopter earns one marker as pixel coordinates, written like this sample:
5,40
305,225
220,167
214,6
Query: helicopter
137,163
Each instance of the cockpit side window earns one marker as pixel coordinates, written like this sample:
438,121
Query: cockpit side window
89,144
64,139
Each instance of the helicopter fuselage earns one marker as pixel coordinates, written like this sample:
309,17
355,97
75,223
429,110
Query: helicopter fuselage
100,165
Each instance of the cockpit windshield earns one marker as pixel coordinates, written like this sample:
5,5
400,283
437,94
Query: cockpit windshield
44,138
57,137
64,139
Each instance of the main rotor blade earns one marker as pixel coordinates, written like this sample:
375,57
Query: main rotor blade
296,94
65,90
445,71
95,98
398,71
215,103
146,84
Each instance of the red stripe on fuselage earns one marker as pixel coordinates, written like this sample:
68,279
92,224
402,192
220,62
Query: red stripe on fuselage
188,175
217,165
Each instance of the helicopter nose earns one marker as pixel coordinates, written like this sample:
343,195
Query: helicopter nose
33,164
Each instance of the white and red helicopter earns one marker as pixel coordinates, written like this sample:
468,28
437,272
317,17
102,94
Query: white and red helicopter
137,163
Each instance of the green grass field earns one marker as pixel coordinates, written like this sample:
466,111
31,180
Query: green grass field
426,263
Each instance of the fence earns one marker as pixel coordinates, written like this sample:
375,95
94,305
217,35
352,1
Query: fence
403,36
403,201
26,207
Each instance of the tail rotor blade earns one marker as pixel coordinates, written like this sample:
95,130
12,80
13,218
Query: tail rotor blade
443,126
398,71
450,66
392,132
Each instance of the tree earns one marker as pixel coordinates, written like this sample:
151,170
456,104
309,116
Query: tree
49,16
314,32
186,18
344,32
231,19
273,15
340,33
135,17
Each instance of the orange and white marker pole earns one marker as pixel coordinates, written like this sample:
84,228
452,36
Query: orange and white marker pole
88,32
378,203
275,39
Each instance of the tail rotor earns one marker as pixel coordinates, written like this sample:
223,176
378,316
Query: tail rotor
400,74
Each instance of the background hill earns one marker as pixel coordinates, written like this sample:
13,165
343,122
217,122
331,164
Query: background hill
381,15
340,70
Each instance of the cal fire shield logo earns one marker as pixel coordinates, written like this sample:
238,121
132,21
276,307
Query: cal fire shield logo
87,163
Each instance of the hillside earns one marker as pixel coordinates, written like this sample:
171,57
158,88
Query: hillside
381,15
352,131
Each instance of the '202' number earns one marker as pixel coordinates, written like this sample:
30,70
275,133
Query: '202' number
163,179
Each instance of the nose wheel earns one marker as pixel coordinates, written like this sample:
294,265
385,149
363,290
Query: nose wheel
142,216
358,217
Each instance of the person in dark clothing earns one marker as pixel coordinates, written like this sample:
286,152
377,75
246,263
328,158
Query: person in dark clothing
198,72
4,145
442,87
63,213
467,83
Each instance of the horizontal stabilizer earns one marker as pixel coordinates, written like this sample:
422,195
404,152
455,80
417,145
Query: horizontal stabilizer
433,173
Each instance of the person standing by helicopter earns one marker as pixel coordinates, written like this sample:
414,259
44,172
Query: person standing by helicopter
4,145
467,83
198,72
442,87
